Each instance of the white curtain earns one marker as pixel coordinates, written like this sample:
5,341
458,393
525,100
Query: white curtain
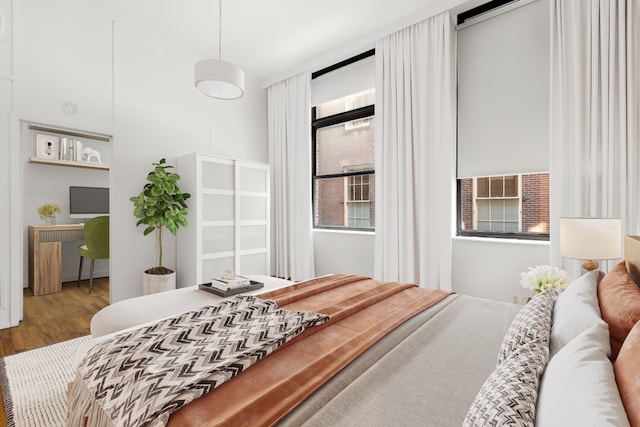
595,117
289,104
415,153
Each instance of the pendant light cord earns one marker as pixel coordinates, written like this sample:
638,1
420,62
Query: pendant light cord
219,30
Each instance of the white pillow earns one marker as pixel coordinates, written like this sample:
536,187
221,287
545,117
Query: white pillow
578,387
575,311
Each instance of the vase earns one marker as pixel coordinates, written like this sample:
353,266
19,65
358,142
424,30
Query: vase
50,220
154,283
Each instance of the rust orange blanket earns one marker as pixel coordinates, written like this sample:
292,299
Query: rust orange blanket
361,312
140,377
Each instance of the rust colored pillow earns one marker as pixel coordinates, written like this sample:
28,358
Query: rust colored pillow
627,370
619,299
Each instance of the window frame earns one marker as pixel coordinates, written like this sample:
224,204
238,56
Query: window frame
328,121
521,235
490,199
351,204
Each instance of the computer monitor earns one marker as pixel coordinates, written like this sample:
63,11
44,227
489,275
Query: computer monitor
88,202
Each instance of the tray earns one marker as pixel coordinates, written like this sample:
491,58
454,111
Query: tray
251,287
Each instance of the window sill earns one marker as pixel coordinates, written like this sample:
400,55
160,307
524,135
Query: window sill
528,242
356,232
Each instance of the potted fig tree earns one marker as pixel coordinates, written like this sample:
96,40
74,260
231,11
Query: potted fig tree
160,205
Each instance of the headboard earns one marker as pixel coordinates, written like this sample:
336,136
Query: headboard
632,257
627,364
619,295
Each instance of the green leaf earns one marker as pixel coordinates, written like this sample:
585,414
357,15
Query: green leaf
161,202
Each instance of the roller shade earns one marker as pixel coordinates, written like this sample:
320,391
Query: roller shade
353,78
503,92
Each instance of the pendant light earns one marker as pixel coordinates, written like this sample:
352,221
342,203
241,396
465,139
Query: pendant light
217,78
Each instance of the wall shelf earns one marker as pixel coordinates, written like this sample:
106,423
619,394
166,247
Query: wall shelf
90,135
68,163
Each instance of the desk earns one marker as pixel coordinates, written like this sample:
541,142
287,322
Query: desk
45,255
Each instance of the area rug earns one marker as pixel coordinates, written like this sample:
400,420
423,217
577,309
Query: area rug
34,384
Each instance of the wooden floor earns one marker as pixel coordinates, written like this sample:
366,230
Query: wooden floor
53,318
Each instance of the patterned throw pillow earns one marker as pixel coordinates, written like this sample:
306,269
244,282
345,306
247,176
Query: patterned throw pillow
531,323
508,396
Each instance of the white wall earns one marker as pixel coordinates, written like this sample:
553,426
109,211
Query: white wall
490,268
137,87
485,268
343,252
6,96
6,90
63,53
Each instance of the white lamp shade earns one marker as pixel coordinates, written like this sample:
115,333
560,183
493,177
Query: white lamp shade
219,79
591,238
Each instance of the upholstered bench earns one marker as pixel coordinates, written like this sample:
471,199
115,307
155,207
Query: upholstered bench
136,311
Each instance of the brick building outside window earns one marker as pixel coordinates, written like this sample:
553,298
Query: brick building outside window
343,177
511,204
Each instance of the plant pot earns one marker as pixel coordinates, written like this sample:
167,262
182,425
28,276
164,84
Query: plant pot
154,283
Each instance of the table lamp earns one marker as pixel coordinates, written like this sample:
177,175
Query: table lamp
590,239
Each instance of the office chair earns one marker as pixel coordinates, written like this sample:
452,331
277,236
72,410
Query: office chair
96,246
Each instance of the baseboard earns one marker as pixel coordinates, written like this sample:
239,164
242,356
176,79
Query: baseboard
74,278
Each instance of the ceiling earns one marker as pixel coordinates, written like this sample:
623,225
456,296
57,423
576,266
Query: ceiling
267,38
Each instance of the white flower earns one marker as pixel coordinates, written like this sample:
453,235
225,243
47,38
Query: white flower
543,277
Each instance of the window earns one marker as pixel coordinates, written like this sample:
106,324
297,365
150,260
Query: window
504,206
343,152
503,120
343,169
358,203
497,203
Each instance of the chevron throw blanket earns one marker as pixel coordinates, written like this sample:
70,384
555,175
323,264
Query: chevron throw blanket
139,378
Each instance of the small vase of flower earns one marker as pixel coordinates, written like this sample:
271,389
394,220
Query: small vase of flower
542,277
48,212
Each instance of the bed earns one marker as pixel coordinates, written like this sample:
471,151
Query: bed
568,359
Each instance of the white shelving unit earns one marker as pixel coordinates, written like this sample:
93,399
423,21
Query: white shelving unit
228,218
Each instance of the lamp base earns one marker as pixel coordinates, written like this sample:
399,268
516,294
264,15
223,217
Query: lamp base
590,265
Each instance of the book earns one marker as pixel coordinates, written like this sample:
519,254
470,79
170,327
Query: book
220,285
234,282
209,287
78,150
